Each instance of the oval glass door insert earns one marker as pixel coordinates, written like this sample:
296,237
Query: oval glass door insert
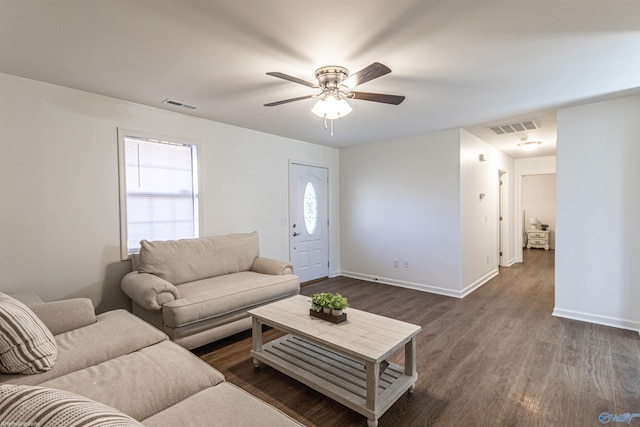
310,208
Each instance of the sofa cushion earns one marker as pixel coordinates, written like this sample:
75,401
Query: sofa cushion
181,261
144,382
65,315
219,296
26,345
224,405
22,405
114,333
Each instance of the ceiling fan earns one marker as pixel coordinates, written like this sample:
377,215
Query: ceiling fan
336,84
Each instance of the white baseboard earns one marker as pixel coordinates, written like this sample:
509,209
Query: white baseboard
598,319
481,281
421,286
403,284
511,262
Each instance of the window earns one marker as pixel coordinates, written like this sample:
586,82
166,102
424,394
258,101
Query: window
310,208
158,190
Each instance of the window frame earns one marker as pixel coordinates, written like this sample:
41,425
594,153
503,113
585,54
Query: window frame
122,179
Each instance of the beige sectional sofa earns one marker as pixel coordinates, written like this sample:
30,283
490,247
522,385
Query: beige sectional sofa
199,290
121,361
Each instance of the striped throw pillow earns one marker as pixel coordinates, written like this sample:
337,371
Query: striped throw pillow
26,345
22,405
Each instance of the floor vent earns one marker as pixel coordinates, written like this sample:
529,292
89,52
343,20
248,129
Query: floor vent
179,104
515,127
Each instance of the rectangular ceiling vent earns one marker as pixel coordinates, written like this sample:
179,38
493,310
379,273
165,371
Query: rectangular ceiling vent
179,104
515,127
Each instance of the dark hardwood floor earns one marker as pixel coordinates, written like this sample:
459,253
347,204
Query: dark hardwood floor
494,358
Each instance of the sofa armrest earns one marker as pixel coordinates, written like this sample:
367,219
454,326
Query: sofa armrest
65,315
271,266
148,290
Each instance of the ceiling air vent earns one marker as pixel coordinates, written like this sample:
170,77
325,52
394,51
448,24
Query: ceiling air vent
179,104
515,127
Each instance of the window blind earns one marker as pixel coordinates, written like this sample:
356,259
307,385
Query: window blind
161,191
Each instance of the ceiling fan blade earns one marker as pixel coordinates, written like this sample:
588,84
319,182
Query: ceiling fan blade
371,72
376,97
286,101
293,79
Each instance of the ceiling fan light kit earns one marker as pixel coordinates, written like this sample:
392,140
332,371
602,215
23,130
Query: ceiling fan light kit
331,108
335,86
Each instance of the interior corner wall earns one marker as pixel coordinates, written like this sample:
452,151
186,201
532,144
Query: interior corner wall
59,196
400,200
597,252
479,210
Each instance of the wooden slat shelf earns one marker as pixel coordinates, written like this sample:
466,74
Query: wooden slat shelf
337,376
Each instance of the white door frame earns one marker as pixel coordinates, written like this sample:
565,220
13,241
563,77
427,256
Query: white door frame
501,219
518,204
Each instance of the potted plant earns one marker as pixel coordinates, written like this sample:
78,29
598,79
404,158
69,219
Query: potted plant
329,307
321,302
316,303
338,304
326,302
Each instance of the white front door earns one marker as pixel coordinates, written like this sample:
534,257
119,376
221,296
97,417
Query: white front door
308,221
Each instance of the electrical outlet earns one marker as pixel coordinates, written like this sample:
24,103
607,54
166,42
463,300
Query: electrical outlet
487,259
396,263
406,263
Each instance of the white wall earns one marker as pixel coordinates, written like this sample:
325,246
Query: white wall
417,199
539,201
400,200
598,202
59,213
479,218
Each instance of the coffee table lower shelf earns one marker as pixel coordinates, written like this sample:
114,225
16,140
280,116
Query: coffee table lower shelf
335,375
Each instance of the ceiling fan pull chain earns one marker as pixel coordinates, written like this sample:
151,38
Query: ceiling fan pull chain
325,124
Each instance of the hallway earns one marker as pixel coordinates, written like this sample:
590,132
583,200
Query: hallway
494,358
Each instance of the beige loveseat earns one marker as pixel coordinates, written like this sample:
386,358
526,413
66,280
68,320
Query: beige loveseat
199,290
121,361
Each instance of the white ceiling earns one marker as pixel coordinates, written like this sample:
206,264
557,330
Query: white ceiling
462,64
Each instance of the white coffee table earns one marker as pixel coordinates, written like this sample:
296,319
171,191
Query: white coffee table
342,361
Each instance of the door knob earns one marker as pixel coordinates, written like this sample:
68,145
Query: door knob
295,234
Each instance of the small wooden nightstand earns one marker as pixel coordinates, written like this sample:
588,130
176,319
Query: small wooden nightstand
538,239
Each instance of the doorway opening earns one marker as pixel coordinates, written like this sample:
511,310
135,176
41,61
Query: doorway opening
538,207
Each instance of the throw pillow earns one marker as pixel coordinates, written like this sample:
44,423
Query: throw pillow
26,345
40,406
